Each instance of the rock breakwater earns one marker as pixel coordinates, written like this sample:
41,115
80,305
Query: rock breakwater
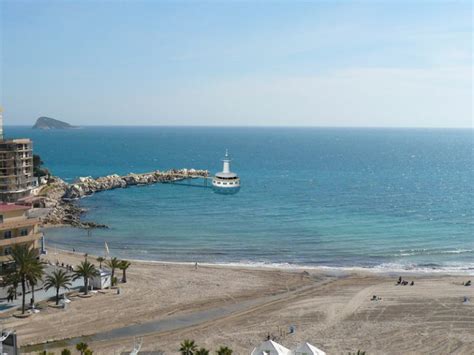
60,197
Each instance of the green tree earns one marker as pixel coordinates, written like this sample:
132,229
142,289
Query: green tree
124,265
88,352
224,350
33,280
113,264
202,351
27,266
58,279
13,279
100,260
188,347
66,352
82,347
86,270
38,171
32,284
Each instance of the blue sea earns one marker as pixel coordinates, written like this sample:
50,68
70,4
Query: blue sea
384,199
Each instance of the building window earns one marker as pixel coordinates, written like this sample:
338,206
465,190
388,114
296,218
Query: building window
7,250
23,232
7,234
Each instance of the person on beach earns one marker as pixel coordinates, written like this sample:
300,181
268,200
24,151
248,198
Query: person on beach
195,265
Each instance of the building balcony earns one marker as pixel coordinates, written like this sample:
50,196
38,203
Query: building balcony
19,240
13,166
15,179
17,188
4,150
28,222
25,182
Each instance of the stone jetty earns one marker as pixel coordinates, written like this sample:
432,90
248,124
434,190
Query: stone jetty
60,196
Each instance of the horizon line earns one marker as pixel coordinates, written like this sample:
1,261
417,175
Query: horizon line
246,126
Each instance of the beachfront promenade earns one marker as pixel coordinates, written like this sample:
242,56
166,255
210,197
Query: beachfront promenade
40,293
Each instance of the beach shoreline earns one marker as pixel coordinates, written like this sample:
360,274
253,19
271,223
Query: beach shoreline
336,270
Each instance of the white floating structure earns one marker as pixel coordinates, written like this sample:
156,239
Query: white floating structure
308,349
226,181
270,347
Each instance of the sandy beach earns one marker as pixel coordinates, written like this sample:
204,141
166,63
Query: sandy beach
332,311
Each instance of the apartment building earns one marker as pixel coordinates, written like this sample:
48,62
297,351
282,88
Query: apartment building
16,228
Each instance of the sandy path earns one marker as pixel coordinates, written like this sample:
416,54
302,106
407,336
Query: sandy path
339,317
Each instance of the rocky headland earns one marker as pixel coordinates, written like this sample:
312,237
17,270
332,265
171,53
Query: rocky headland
51,123
61,197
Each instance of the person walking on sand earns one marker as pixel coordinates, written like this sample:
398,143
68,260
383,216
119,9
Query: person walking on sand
195,265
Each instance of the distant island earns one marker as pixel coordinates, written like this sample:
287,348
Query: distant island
51,123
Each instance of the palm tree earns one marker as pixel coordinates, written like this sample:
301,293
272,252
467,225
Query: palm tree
27,266
202,351
100,260
33,280
124,265
86,270
188,347
32,283
224,350
113,264
13,279
82,347
66,352
58,279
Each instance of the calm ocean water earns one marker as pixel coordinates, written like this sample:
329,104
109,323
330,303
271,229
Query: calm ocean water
377,198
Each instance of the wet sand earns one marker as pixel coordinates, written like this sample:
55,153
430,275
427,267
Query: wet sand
238,307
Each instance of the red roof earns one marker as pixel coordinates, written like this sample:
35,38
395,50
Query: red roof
7,207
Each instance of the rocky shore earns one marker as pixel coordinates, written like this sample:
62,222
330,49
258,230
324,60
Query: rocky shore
60,197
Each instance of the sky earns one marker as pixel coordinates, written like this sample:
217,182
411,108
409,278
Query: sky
238,63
